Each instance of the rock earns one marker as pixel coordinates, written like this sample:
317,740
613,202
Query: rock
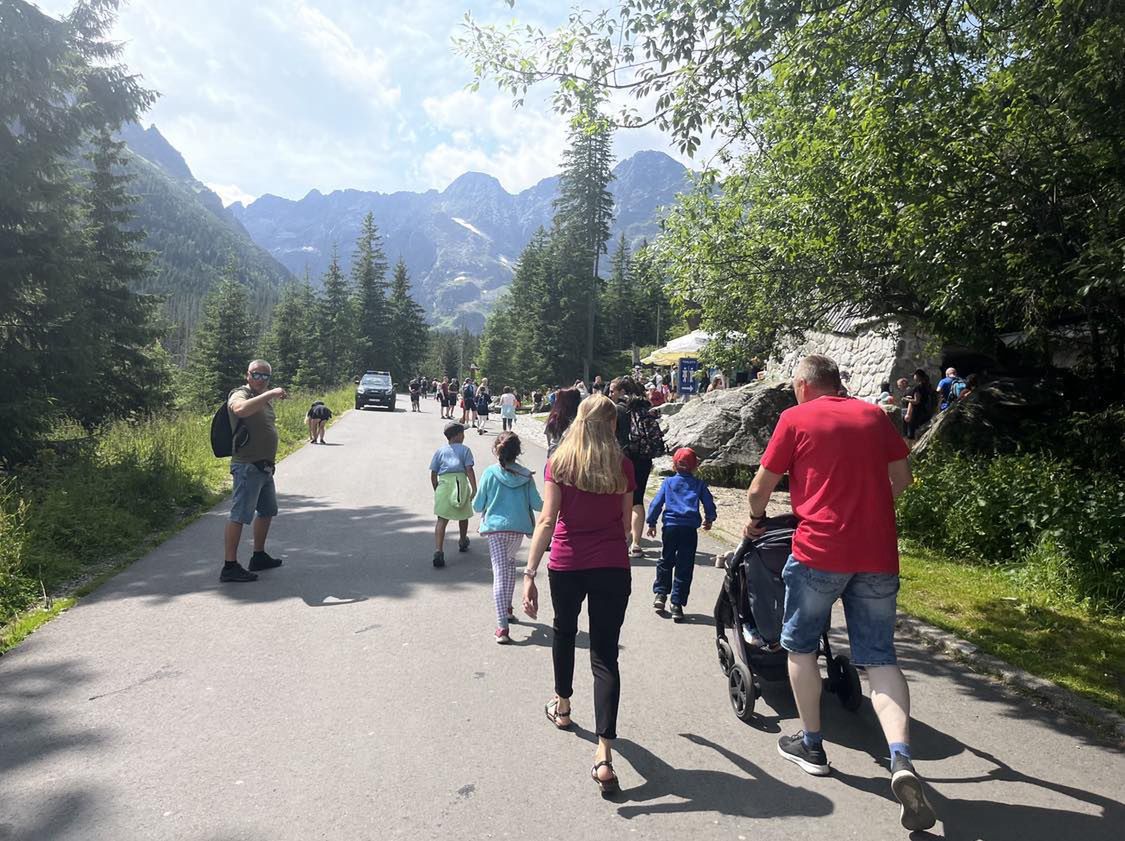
993,417
666,410
730,427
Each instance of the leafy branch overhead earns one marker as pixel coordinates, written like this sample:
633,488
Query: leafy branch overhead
958,164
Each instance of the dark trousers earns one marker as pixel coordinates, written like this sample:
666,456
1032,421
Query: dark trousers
508,423
676,566
607,592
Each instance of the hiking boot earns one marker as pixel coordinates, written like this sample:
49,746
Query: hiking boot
263,560
439,559
810,760
916,814
463,544
236,572
677,613
659,602
502,637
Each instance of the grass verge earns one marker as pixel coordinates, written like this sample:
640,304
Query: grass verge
1031,628
69,522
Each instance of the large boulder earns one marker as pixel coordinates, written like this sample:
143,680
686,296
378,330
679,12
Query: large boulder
730,427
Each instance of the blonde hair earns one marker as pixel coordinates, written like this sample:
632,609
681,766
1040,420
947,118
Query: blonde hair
589,456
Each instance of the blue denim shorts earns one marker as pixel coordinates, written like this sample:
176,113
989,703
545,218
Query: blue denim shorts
253,490
869,607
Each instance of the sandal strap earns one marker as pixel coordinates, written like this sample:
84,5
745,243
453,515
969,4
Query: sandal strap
604,762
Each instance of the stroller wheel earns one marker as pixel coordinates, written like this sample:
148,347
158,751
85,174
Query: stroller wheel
726,656
740,684
849,690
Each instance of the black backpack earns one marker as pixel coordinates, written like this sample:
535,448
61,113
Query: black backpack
646,440
222,435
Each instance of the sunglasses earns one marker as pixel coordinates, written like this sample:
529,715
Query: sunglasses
259,375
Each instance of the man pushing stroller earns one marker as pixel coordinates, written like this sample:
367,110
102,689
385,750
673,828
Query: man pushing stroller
846,464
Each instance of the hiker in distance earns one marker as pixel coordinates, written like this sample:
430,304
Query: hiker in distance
252,466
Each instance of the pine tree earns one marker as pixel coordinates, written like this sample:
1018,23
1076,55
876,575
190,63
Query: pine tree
369,276
287,341
336,330
408,329
60,83
584,212
224,342
119,327
619,301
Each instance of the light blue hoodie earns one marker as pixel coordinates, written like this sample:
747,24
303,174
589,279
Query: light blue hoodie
506,498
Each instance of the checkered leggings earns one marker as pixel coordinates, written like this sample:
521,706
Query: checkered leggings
502,548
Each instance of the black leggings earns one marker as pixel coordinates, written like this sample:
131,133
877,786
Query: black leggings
607,591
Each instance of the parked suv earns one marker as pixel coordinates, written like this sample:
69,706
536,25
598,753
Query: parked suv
376,388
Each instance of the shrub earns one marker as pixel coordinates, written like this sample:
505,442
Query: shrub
1061,525
16,589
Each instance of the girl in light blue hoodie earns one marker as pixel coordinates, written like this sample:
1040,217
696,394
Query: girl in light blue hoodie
507,500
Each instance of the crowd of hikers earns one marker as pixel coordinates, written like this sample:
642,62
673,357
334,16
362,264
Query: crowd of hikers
845,461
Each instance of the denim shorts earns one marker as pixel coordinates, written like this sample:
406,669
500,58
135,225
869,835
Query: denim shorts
253,490
869,607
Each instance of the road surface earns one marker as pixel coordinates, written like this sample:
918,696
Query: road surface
356,693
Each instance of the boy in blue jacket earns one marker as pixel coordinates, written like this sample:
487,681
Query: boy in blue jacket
680,496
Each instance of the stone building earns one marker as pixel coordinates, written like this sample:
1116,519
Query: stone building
869,351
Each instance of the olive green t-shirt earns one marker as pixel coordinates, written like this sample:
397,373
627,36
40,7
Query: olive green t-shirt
262,427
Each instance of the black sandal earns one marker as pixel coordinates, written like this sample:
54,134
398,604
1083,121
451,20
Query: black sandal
610,786
552,711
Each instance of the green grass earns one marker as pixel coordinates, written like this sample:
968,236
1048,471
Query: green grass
1032,628
68,522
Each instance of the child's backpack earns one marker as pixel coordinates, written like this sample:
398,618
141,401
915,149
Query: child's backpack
223,435
468,392
646,440
482,402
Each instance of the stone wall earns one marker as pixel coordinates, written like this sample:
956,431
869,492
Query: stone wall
869,353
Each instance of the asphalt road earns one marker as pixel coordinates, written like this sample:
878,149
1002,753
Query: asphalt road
356,693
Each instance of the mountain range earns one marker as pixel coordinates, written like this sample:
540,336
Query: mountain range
460,244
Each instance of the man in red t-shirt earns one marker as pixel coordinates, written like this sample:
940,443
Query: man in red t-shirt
846,464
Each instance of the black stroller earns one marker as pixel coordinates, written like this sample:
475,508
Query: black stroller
753,596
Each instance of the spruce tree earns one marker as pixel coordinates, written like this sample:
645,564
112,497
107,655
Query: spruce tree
619,302
288,338
336,329
224,342
123,367
369,277
408,331
583,214
60,83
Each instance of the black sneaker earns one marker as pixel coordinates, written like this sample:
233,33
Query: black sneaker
263,560
916,814
659,602
811,761
677,613
439,559
235,572
463,544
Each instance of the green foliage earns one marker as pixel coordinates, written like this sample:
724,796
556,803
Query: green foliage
65,514
336,326
407,326
223,345
449,353
954,163
60,82
1064,526
373,320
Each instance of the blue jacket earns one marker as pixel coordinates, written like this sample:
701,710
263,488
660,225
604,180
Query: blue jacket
680,496
506,498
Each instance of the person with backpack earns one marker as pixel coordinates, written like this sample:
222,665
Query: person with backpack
468,402
641,439
253,452
482,405
507,500
919,402
950,387
317,418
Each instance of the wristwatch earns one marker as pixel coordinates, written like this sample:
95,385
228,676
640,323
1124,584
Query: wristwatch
754,516
529,572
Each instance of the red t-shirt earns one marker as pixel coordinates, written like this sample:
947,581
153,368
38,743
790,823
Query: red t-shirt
836,451
590,533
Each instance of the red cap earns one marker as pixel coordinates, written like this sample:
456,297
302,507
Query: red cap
686,459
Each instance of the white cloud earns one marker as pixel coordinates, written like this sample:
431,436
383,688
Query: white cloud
364,70
230,193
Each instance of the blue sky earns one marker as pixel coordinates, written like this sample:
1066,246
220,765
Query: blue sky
283,96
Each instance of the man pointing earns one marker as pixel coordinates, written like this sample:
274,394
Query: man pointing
252,465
